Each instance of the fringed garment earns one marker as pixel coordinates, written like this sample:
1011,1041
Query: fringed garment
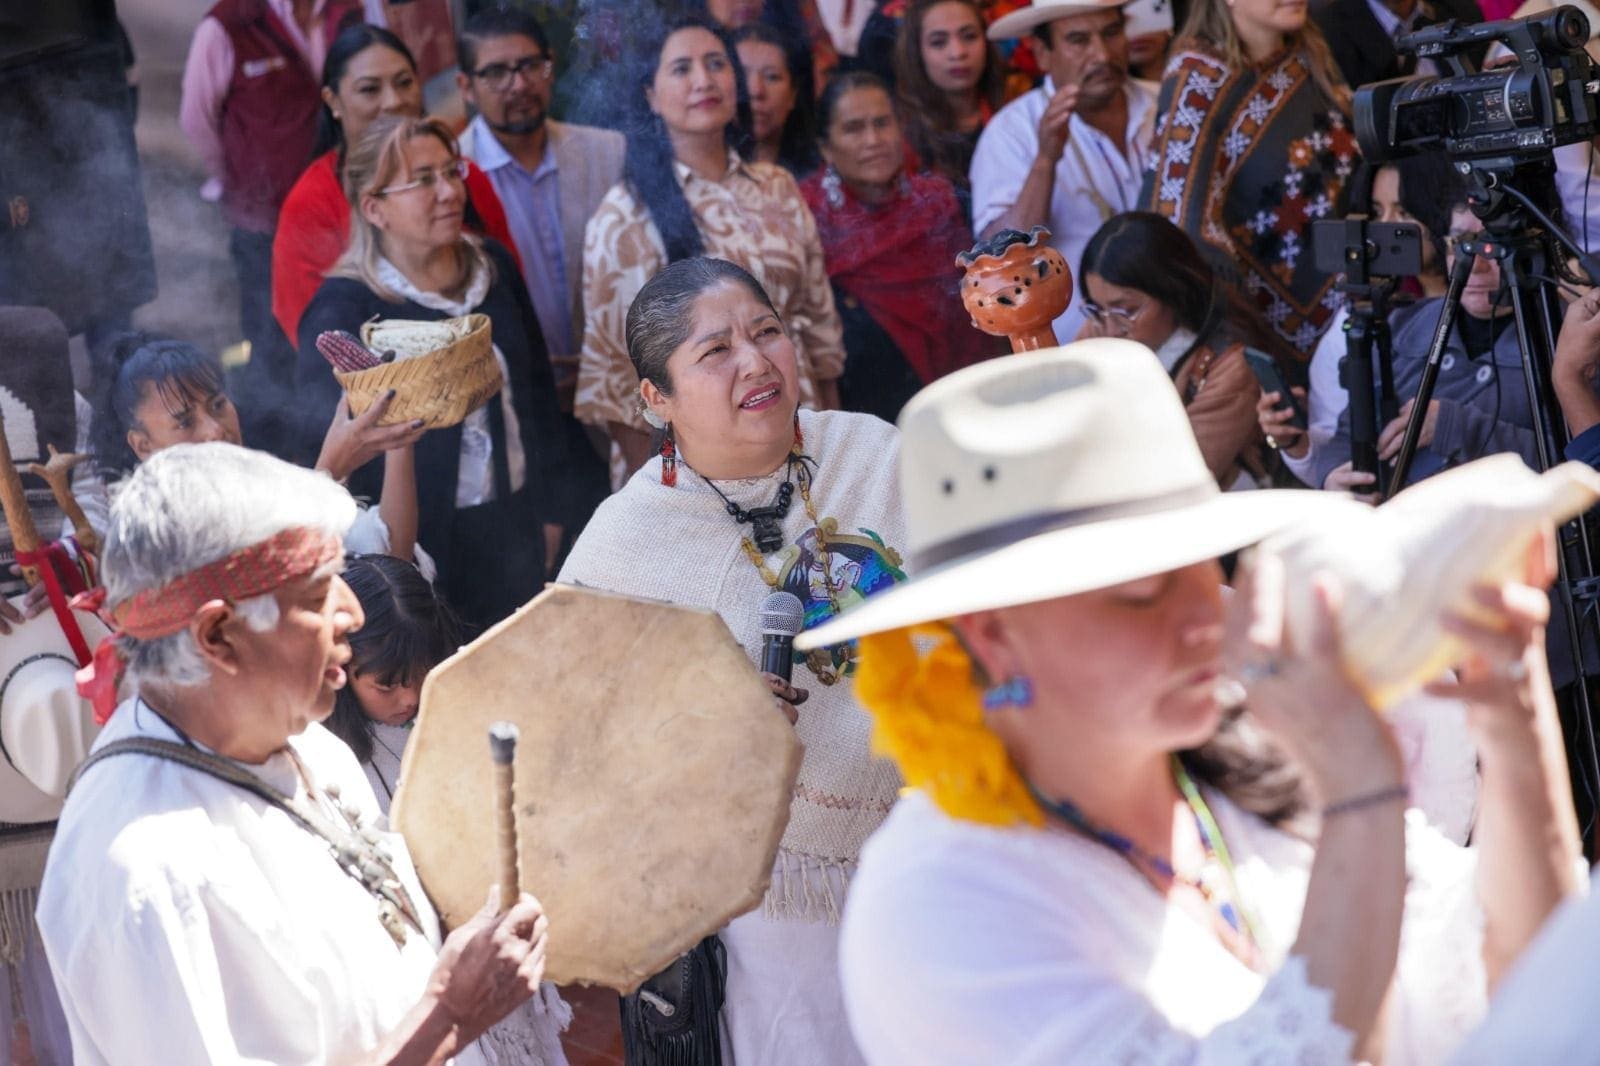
1245,162
680,545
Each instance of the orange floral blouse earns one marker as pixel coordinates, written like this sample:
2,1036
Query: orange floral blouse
754,217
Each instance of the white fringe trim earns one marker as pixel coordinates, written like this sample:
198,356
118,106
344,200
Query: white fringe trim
16,923
803,888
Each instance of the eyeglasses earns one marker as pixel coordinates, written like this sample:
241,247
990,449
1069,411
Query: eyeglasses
1453,241
454,171
497,76
1115,320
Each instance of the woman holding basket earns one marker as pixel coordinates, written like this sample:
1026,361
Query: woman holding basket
493,490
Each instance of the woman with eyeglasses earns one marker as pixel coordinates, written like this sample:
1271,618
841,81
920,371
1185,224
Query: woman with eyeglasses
494,490
1143,278
1419,190
1480,396
369,73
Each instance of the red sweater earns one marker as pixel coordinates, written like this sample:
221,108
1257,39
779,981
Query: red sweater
314,227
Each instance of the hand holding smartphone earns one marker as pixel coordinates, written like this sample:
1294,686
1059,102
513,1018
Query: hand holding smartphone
1271,379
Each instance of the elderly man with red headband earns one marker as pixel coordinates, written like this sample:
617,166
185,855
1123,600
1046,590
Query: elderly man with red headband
221,887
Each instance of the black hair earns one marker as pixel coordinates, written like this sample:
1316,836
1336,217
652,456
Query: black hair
1146,251
661,316
409,630
350,42
648,163
797,146
1430,190
493,22
926,116
127,365
839,83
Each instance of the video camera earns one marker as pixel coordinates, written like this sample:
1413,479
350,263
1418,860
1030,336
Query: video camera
1549,96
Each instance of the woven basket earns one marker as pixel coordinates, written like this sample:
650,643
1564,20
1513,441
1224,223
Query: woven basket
441,388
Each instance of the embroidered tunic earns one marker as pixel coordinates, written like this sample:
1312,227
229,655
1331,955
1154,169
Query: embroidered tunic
754,216
680,545
1245,162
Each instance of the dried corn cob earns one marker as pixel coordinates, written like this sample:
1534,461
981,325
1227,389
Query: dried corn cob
345,352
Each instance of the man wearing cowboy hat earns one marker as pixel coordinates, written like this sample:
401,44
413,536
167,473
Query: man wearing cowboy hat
1071,153
221,887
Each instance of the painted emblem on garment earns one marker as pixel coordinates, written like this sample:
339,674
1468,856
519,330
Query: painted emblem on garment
855,566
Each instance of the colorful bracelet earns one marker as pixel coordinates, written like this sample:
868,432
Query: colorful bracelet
1365,800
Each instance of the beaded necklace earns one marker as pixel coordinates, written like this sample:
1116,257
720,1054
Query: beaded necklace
1227,902
820,663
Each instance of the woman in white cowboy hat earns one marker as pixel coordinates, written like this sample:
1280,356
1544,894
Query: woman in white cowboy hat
1095,862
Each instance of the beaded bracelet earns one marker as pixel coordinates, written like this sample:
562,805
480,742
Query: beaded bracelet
1365,800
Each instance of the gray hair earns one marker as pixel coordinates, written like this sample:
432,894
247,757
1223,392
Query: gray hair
193,504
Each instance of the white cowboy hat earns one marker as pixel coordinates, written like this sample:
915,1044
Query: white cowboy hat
1051,473
1018,23
46,728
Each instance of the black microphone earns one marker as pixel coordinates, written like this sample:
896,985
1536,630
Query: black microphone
782,617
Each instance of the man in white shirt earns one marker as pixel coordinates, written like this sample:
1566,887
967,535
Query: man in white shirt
193,907
1071,153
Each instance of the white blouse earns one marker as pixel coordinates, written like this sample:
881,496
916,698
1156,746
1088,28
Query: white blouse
965,943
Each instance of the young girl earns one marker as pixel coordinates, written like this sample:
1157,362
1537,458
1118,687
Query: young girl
154,392
408,631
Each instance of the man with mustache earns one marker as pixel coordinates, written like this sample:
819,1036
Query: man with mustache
1071,153
549,175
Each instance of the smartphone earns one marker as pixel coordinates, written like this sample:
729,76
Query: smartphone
1390,249
1271,378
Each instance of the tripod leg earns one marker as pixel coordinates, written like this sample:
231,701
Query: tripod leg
1459,273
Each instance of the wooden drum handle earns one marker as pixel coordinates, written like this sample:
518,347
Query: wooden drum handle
503,749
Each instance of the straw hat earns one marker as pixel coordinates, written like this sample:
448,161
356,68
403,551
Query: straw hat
46,728
1020,22
1052,473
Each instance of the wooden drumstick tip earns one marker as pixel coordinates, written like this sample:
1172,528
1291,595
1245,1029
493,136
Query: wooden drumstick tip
503,743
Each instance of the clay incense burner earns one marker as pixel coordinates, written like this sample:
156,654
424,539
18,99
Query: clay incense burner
1016,285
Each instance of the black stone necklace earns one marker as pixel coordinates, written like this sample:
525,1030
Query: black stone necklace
766,522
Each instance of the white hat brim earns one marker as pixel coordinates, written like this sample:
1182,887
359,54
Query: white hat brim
1065,562
1021,22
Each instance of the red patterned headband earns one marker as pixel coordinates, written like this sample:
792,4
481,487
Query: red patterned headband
154,613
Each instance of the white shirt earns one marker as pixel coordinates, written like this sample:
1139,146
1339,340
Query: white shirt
1579,188
189,921
475,466
965,943
844,20
1544,1008
1094,179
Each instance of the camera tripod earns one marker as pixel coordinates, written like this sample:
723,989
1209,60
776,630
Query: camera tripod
1367,369
1521,237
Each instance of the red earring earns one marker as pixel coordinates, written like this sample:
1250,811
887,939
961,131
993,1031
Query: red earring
669,461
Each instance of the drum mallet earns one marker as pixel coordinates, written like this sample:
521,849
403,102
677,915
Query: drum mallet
503,749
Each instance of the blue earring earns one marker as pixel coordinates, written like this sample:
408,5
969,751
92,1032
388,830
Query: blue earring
1015,693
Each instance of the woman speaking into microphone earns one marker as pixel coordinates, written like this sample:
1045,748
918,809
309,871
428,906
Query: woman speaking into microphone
750,495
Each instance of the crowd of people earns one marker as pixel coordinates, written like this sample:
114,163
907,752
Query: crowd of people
1031,824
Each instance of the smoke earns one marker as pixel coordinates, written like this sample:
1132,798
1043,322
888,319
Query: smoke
79,243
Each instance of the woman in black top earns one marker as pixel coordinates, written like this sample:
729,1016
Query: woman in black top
494,492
